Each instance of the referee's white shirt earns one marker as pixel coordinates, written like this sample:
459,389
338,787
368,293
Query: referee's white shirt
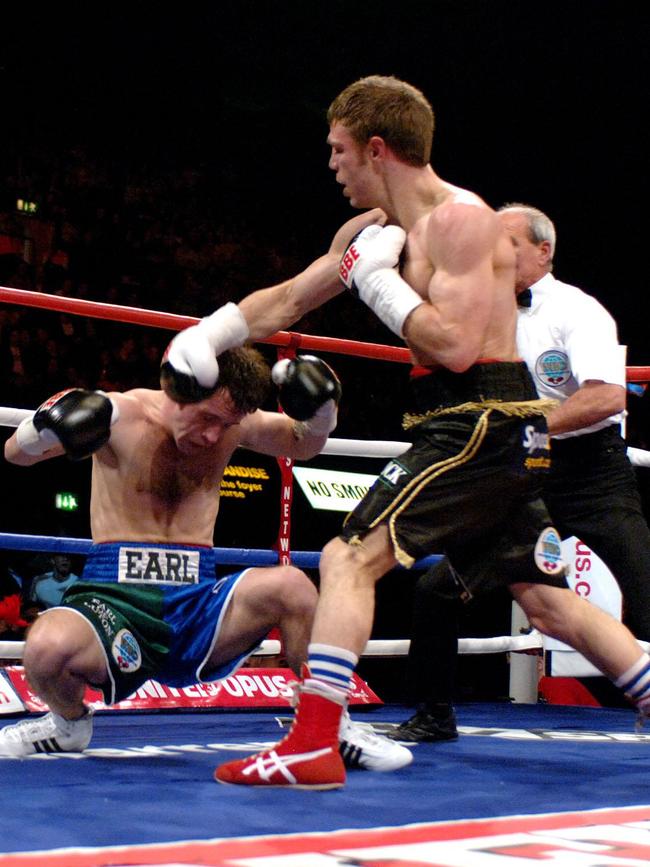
567,337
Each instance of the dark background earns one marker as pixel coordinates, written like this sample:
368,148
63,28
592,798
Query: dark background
541,103
545,103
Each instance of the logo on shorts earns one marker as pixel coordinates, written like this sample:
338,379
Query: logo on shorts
104,614
548,552
553,368
126,651
158,566
538,447
392,473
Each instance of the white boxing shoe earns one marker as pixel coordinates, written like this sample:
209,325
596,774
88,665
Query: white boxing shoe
360,747
47,734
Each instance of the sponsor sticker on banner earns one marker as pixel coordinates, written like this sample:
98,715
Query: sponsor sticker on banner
590,578
334,490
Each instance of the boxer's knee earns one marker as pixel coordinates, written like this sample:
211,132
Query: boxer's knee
271,595
299,594
553,611
47,652
358,561
56,644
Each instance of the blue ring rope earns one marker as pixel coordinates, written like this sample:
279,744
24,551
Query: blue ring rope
225,556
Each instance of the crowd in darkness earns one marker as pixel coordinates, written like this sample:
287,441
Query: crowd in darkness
144,238
100,234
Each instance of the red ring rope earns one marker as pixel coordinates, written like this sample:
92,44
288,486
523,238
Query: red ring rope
158,319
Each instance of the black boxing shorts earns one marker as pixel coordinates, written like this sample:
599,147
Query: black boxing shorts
469,486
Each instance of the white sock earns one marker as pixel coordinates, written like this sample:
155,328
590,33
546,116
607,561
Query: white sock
332,666
635,682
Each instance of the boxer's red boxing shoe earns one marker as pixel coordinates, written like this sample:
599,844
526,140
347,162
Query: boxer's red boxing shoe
307,758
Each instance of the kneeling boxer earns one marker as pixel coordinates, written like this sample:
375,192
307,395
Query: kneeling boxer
148,605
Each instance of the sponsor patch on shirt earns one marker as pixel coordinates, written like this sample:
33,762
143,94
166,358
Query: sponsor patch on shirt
149,565
553,368
548,552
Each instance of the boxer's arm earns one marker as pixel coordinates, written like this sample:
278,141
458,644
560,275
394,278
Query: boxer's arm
309,392
273,309
277,434
190,371
450,330
15,454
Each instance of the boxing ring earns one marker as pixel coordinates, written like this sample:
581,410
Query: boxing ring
524,782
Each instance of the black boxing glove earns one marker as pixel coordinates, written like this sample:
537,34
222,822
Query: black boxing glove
368,268
189,371
77,419
309,392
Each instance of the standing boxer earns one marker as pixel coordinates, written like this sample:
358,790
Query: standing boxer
570,344
479,433
148,605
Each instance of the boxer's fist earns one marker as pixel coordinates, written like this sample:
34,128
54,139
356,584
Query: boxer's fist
77,419
306,384
373,249
369,269
189,371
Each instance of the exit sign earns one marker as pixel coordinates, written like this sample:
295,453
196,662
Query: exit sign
26,207
66,502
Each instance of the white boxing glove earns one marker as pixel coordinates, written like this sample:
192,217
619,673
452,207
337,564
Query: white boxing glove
369,268
190,371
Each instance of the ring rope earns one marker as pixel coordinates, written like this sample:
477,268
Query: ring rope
176,322
377,648
374,649
224,556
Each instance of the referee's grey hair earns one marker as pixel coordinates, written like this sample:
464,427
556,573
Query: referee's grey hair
540,227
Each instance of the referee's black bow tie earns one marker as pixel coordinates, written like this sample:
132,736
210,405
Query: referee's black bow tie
525,298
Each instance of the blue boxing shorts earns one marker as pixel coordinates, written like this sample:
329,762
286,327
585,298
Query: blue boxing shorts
156,610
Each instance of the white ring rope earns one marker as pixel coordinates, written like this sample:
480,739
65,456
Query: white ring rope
638,457
12,417
383,648
365,448
374,648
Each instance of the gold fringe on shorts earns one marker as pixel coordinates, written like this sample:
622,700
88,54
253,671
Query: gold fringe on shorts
520,408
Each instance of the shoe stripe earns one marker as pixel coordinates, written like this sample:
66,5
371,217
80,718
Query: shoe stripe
350,754
48,745
266,765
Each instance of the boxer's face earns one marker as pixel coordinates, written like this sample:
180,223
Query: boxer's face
202,425
353,170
